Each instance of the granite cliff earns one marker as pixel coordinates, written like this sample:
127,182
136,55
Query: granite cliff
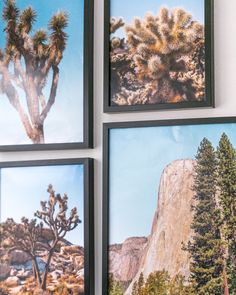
124,259
171,228
171,224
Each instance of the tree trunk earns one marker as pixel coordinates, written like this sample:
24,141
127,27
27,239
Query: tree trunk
38,135
226,287
44,280
36,271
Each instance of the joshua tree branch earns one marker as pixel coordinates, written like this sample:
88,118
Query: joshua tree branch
18,68
52,96
13,98
42,100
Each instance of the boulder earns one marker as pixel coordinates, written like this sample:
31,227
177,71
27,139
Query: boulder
12,282
4,271
79,262
69,250
18,257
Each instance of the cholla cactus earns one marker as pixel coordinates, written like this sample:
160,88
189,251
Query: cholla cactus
26,62
196,70
116,24
157,45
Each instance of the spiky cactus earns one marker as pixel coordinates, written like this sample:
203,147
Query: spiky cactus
26,62
159,45
116,24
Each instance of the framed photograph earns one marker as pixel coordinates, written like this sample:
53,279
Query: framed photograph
158,55
47,227
46,74
169,207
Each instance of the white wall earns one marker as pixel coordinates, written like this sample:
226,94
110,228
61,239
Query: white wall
225,63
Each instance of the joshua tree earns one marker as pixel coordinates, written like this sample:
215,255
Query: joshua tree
32,238
159,46
26,237
58,222
26,62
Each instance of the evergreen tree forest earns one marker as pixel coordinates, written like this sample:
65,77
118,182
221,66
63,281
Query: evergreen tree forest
212,248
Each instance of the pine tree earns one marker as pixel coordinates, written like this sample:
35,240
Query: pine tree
226,155
134,289
138,286
140,283
114,286
206,248
157,283
178,286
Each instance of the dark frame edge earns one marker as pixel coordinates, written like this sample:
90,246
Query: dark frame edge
89,226
88,164
88,40
88,72
135,124
210,82
106,82
210,56
105,210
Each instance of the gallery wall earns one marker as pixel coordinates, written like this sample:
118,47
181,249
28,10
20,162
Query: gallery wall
225,84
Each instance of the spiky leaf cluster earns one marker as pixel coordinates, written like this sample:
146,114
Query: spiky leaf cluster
20,24
54,214
159,41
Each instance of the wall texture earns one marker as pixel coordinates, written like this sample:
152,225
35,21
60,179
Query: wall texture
225,80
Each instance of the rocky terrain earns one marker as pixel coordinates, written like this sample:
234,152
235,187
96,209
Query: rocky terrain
67,268
171,229
124,259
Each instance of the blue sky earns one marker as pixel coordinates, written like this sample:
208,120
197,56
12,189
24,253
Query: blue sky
23,188
138,8
137,159
67,113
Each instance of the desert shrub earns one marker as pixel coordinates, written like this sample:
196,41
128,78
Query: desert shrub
3,290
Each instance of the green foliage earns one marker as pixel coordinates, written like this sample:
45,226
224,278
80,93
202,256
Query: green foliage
114,287
27,18
160,283
178,286
57,25
157,283
10,11
206,247
226,155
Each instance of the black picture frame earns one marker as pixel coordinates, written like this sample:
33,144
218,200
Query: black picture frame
87,97
88,164
107,127
209,58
